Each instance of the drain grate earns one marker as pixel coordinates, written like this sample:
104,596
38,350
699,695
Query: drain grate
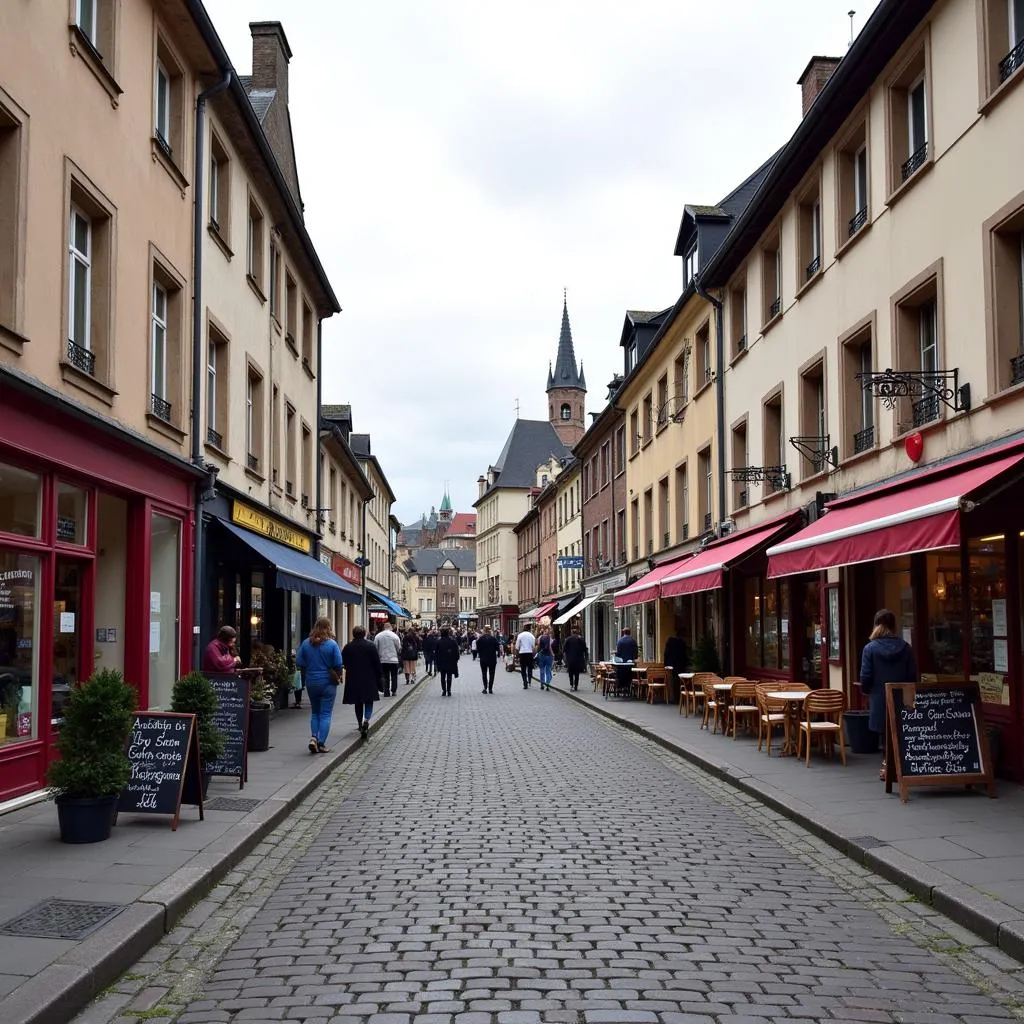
61,919
231,803
867,842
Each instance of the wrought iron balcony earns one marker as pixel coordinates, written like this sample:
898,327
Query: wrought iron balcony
160,407
858,220
742,498
863,440
741,343
289,488
707,521
1011,62
917,158
252,461
1017,369
813,267
775,308
81,358
214,437
926,410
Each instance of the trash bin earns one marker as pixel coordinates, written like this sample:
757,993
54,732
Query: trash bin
861,739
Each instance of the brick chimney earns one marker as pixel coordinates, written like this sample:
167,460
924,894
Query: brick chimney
815,77
270,56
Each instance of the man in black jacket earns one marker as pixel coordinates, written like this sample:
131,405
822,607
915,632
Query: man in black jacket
364,678
487,647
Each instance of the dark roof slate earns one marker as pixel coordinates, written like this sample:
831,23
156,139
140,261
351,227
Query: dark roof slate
360,444
565,374
529,443
430,560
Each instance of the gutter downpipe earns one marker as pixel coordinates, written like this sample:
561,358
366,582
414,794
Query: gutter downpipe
366,560
318,514
205,488
720,430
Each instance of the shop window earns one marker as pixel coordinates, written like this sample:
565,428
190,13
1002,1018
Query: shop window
1004,273
813,419
740,460
989,622
859,433
254,420
216,388
682,505
168,106
21,496
164,572
307,337
19,649
13,169
767,621
1002,41
918,330
909,118
255,246
738,316
771,278
852,184
774,455
946,597
72,514
809,233
705,502
220,189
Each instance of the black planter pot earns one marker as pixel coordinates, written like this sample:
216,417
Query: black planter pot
85,819
259,728
206,783
861,739
281,699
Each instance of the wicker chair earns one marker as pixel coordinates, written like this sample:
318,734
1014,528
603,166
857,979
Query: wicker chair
713,707
772,714
742,703
657,683
823,717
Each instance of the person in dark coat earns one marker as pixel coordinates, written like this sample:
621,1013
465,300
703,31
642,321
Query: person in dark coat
676,654
887,658
574,653
410,653
364,677
430,642
447,660
626,650
487,648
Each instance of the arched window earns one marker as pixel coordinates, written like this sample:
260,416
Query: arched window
566,412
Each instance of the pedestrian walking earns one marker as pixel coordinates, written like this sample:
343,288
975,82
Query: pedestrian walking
319,661
545,658
887,658
487,648
526,645
447,660
574,651
430,642
410,654
389,650
363,677
472,644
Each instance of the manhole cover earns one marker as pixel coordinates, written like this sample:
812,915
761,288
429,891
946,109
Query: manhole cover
866,842
231,803
61,919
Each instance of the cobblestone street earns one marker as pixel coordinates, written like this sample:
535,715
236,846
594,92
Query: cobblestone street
512,859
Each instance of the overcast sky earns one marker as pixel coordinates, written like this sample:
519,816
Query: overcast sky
462,161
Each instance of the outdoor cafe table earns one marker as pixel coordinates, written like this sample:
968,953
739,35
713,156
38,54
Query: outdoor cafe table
723,695
794,699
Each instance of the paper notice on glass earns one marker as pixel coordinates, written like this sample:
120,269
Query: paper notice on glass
1000,655
67,622
908,634
154,602
999,617
785,627
991,686
154,638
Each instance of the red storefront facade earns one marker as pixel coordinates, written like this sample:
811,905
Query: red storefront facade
96,545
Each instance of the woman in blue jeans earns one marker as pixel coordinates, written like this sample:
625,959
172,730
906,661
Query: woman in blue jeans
319,660
545,658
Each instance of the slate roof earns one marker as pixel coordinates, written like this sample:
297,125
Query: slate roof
430,560
529,443
333,412
706,211
565,374
643,316
360,444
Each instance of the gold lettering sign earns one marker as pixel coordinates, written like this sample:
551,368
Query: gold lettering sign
259,522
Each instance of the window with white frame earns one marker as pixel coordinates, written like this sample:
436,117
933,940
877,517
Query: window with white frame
158,352
860,181
162,113
211,386
690,265
85,19
917,118
80,282
928,337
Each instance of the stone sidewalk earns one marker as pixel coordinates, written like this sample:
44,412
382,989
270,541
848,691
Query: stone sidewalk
154,873
956,849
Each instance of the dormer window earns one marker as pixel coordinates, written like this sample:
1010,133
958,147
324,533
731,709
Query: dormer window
631,356
566,411
690,264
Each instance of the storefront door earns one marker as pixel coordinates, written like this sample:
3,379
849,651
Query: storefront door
68,587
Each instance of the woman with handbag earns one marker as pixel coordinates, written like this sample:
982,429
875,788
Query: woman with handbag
319,661
364,677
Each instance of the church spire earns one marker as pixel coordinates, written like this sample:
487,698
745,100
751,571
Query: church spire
565,373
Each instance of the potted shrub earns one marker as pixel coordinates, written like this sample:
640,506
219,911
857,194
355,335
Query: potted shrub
194,694
260,693
276,674
93,766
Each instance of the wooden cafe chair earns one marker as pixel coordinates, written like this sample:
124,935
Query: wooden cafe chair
742,704
823,717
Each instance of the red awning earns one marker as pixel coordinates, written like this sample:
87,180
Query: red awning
704,571
646,588
919,517
539,611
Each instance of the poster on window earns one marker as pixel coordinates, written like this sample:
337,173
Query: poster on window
832,596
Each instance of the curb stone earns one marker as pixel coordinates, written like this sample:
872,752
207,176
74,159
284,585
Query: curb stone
989,919
71,982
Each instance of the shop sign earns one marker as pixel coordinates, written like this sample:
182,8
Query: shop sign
347,570
259,522
570,561
325,559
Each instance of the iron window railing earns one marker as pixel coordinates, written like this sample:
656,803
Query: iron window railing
214,437
707,521
916,159
160,407
162,143
925,410
741,343
863,440
252,461
775,308
1011,62
741,499
1017,369
813,267
858,220
81,358
707,374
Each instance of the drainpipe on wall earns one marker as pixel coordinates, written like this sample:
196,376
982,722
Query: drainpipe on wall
205,489
720,403
366,566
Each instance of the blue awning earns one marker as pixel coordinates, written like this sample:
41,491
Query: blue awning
296,570
386,604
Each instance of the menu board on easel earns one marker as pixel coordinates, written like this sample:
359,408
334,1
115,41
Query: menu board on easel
232,719
935,736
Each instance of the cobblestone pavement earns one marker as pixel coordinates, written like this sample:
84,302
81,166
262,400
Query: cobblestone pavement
512,859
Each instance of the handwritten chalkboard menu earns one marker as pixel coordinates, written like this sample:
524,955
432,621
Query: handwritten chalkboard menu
232,718
935,736
163,752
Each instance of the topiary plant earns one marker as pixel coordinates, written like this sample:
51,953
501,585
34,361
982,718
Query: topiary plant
705,655
193,694
97,719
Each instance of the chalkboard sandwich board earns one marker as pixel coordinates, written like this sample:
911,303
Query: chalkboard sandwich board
935,736
163,751
232,718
